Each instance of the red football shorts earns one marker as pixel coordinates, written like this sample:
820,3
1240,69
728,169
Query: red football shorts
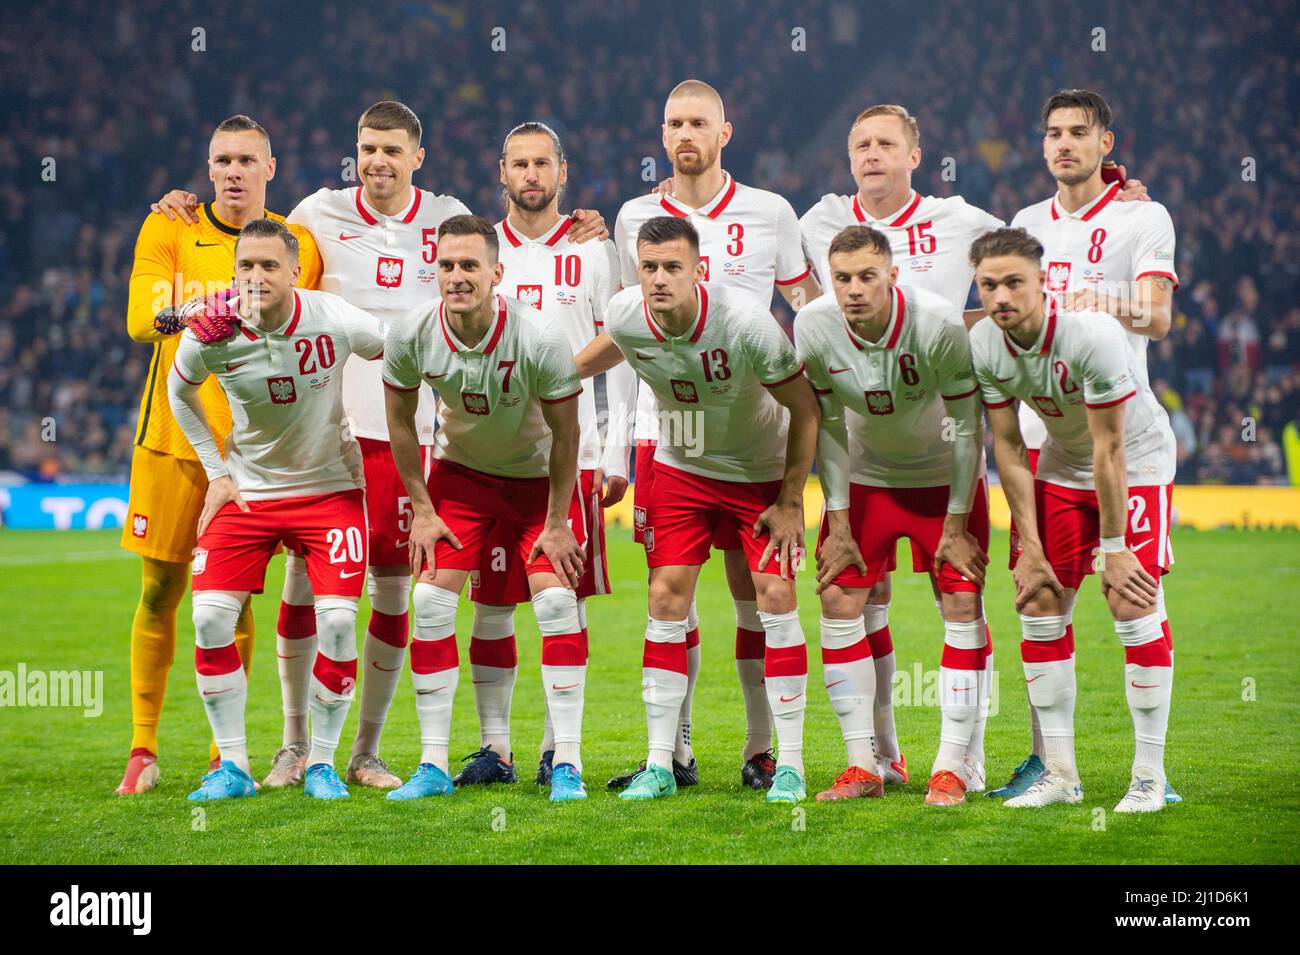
387,504
1069,523
726,537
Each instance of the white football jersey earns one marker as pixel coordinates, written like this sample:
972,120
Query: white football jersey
1078,361
290,437
1104,241
893,390
489,412
749,240
385,264
572,283
930,237
717,418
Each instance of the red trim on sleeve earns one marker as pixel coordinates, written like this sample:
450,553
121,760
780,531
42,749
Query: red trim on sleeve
823,391
556,401
998,404
1111,404
798,278
415,207
390,385
783,381
366,217
964,394
1164,275
376,357
176,369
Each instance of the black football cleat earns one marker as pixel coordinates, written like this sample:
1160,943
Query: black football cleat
544,768
688,775
486,767
758,771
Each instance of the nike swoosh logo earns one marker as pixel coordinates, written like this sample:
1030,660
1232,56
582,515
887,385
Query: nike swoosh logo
481,682
402,543
343,576
567,686
345,238
233,367
836,683
437,689
436,377
1137,547
325,701
288,656
1144,686
644,357
838,371
206,245
217,692
375,664
791,699
1039,677
1004,379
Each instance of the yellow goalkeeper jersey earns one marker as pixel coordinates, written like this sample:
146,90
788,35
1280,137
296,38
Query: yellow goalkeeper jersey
175,262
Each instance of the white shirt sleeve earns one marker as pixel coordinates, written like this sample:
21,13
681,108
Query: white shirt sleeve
773,357
365,332
555,376
833,463
1106,377
401,354
626,248
187,373
1153,252
791,262
952,363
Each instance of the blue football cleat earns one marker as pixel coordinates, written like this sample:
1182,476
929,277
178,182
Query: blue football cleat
486,767
1171,797
322,782
566,783
1026,774
428,780
227,781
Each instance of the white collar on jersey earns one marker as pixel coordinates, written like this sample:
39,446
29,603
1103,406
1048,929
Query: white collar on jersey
371,217
711,209
893,328
556,233
896,218
1088,209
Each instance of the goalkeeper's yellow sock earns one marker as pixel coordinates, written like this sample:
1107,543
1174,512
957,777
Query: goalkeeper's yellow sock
244,644
153,646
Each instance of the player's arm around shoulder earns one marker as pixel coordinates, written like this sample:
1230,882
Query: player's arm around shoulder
153,276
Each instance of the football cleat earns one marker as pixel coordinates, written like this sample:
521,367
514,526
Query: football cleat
1049,790
972,774
544,768
566,784
322,782
1171,796
854,783
141,773
893,771
486,767
946,789
367,769
428,780
787,786
227,781
287,767
653,782
1145,794
688,775
1027,773
759,771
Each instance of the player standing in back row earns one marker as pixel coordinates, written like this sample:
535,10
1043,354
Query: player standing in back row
1103,255
748,240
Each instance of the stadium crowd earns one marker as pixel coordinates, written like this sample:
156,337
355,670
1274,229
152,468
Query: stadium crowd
96,124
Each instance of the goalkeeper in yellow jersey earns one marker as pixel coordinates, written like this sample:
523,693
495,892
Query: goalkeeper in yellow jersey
176,261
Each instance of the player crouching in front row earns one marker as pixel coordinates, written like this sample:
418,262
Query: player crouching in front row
1103,483
292,475
505,471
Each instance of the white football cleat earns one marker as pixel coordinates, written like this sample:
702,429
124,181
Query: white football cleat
972,774
1051,789
892,771
1146,793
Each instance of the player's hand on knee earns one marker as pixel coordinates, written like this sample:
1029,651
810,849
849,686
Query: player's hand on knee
838,552
426,530
178,204
784,526
587,224
1122,573
221,492
1032,574
963,552
557,543
211,319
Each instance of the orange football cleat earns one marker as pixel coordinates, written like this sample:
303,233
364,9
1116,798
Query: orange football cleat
946,789
141,773
854,783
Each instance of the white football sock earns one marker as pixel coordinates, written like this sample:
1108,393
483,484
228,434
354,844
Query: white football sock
564,669
663,686
958,692
494,667
875,620
383,652
295,647
851,685
334,677
786,681
751,648
682,751
1148,685
435,669
223,686
1052,690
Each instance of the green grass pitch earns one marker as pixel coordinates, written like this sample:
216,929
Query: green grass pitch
67,603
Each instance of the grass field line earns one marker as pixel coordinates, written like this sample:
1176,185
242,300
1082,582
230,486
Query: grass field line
79,556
